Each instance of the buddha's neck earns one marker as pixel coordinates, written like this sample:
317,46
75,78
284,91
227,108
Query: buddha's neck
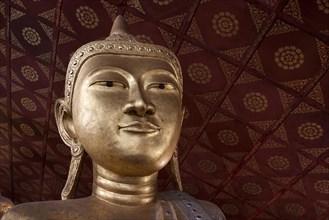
122,190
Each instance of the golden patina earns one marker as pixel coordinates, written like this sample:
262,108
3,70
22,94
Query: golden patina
123,106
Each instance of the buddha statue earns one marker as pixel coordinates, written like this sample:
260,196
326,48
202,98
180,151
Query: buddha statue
123,106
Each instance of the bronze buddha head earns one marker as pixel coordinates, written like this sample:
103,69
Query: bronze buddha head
123,103
127,112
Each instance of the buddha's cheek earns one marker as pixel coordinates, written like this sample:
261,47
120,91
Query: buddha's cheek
96,128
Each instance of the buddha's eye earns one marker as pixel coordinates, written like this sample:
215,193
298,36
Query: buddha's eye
110,84
165,86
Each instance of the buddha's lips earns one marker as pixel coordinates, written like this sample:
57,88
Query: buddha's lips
139,127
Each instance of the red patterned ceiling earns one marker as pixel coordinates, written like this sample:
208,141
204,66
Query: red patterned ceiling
255,136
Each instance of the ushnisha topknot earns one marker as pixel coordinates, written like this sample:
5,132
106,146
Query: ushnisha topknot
119,42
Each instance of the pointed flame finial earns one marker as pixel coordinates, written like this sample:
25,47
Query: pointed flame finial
120,30
120,26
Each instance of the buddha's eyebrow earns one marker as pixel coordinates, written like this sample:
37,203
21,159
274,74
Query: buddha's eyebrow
161,72
107,70
162,75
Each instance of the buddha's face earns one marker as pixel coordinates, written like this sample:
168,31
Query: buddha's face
127,113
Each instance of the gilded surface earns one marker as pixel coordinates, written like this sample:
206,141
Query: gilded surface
123,106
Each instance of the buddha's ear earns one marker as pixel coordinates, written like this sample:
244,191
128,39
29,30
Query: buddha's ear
66,130
64,123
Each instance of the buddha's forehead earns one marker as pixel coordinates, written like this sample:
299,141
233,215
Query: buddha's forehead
128,63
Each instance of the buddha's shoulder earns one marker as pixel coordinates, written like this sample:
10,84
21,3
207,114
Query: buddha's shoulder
190,207
57,209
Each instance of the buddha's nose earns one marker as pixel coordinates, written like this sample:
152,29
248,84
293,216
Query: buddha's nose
138,105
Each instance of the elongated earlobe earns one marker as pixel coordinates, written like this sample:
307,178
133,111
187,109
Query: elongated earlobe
174,165
67,133
174,169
